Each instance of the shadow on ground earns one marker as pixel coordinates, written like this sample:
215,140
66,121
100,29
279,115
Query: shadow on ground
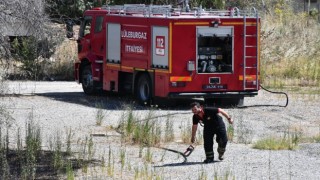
117,101
42,165
114,101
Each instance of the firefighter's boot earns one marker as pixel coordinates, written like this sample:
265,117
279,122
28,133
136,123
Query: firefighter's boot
221,153
209,157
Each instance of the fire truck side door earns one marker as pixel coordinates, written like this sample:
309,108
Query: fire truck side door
97,40
84,44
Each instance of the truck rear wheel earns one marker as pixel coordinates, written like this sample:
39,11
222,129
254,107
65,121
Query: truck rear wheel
144,90
87,80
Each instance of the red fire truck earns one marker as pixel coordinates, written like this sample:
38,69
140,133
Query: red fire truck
159,51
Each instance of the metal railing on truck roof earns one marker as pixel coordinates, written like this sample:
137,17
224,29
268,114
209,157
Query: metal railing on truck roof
168,10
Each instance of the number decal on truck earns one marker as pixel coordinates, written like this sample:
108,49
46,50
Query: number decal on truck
160,45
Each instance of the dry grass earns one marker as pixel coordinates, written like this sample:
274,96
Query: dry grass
290,50
276,143
61,66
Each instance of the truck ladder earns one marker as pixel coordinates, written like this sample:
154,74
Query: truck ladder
246,47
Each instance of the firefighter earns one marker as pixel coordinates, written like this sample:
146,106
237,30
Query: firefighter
213,125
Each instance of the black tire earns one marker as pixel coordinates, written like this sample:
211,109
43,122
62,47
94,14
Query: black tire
143,90
87,80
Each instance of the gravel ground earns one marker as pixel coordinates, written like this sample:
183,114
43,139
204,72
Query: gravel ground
58,106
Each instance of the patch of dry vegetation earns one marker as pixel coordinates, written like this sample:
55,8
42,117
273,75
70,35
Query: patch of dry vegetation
290,49
61,64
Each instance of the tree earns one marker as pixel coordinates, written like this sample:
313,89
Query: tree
20,18
25,22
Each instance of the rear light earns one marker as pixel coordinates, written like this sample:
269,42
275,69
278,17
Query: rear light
178,84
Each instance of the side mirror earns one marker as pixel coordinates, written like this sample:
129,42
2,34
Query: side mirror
69,28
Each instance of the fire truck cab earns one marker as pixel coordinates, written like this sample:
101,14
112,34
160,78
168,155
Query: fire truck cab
158,51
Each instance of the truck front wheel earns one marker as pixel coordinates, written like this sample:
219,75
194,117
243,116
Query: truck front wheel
87,80
144,90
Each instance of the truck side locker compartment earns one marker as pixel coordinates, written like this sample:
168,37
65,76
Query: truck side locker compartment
160,44
113,52
161,85
110,80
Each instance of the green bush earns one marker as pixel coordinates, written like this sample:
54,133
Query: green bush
26,52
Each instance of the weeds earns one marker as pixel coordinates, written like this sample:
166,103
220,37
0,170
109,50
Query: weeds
203,175
58,163
136,172
69,171
63,67
156,134
33,148
4,166
129,165
122,158
143,131
185,131
99,114
148,155
91,149
230,132
226,175
86,154
110,166
276,143
316,139
69,136
169,133
29,161
131,123
103,163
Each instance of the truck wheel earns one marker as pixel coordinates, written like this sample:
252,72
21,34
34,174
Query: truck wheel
144,90
87,81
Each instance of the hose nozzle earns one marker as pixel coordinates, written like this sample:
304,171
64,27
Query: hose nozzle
188,151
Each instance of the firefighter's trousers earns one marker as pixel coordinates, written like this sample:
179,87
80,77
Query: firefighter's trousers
208,137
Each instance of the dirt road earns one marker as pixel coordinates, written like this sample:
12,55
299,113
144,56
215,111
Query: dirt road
58,106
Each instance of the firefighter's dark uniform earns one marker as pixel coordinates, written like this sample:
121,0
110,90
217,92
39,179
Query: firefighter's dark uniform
213,125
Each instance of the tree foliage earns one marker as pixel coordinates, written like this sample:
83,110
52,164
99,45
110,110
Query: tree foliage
69,9
20,18
26,35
